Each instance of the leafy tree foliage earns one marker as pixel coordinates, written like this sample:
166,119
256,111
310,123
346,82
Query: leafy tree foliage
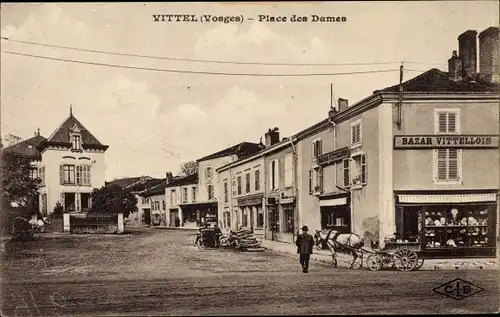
113,199
19,189
189,168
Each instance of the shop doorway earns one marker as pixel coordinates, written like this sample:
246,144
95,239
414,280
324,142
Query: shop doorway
147,217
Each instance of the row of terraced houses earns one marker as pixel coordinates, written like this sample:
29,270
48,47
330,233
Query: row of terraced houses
419,159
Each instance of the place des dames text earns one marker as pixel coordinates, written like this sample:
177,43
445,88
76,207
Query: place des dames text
263,18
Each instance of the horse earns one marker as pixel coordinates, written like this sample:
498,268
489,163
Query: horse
38,224
347,243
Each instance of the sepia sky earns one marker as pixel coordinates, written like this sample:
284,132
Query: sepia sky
154,121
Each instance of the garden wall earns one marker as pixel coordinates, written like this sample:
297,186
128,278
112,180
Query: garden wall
92,223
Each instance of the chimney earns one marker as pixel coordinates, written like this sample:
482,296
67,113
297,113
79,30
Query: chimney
169,177
467,45
343,104
272,137
489,54
455,67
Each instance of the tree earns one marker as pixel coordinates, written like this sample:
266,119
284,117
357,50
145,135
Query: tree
19,189
189,168
113,200
12,139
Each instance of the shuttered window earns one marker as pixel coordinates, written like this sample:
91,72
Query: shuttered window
239,185
448,164
356,133
364,171
447,121
41,174
317,148
447,161
346,173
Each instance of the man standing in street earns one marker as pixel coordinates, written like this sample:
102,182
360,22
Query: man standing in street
305,244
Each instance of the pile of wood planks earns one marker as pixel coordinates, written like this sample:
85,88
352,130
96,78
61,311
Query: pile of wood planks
246,239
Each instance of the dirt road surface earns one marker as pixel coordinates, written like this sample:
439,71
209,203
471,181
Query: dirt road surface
160,273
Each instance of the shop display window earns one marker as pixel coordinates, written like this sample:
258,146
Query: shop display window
457,226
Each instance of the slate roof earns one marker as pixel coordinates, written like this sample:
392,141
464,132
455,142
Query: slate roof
62,135
124,182
435,80
156,190
243,149
26,148
150,183
181,181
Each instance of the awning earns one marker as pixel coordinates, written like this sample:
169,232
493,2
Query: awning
333,202
448,198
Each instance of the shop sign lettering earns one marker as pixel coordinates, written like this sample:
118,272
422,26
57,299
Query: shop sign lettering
250,201
437,141
331,157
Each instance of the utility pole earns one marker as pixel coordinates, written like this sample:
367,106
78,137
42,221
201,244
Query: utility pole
400,99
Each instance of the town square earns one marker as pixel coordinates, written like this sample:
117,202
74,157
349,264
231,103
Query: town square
254,167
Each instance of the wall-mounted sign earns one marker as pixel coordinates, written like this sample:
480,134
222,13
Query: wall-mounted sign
250,201
329,158
445,141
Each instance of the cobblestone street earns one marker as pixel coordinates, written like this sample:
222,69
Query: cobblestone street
159,272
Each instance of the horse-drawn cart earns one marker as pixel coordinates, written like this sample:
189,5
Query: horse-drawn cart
402,255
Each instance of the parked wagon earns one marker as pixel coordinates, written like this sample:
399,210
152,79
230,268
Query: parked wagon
405,256
22,229
206,238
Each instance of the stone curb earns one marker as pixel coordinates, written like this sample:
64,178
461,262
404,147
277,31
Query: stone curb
174,228
488,264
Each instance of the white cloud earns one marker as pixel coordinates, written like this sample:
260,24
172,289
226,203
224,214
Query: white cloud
227,41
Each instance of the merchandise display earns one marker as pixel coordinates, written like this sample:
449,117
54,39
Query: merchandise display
456,227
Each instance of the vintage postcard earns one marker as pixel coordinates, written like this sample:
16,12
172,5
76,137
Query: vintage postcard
250,158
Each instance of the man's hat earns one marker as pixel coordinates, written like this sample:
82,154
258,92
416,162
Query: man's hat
304,228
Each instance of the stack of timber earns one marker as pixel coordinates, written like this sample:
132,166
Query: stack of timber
247,241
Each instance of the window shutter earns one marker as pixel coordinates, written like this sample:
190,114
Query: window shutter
320,171
277,169
363,169
452,122
320,147
346,172
310,182
442,126
271,174
77,202
453,164
61,174
314,149
87,177
62,202
441,164
79,174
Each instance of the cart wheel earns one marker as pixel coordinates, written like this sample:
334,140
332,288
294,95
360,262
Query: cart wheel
388,261
374,262
405,260
420,262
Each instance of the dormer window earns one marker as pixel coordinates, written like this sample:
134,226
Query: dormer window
77,142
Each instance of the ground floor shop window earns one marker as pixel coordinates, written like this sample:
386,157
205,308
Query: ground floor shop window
452,226
189,218
336,217
274,219
288,218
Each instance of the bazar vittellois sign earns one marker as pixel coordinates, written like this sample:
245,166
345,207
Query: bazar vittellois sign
445,141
